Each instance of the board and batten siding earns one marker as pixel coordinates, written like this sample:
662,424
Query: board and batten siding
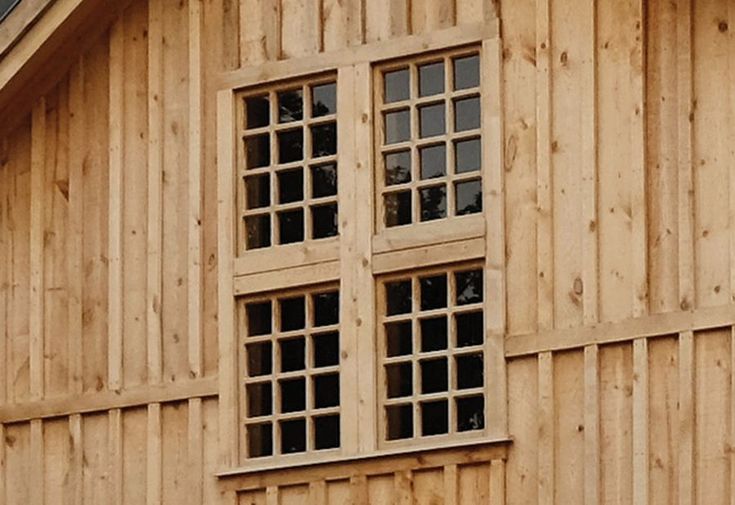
619,148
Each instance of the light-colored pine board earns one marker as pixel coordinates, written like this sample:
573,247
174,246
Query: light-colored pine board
386,19
37,201
300,28
497,482
3,466
175,463
260,31
134,450
428,487
342,23
686,427
404,484
5,246
95,459
523,420
451,492
732,415
36,475
76,458
469,11
359,490
591,425
271,495
154,458
317,493
568,418
116,456
546,430
17,463
195,455
430,15
641,423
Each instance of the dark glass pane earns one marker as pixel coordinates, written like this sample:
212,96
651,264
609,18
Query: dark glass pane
434,292
470,329
399,380
434,334
293,395
433,203
292,313
398,338
324,140
469,197
258,111
258,229
400,422
397,168
291,226
467,114
260,440
324,99
326,432
258,151
290,146
293,354
434,418
397,208
259,318
293,436
290,106
260,399
432,120
470,371
399,296
258,191
397,126
467,154
434,376
290,186
433,161
397,85
326,349
260,360
326,308
431,79
469,287
324,180
470,413
326,391
324,221
467,72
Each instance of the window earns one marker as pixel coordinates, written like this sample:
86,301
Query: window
428,133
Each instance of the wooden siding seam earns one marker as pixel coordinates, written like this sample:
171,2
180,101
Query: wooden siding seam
195,453
36,300
115,456
546,429
641,455
36,466
76,459
686,420
154,460
591,425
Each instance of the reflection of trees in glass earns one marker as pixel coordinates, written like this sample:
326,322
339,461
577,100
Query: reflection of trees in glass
320,109
433,203
290,106
324,140
469,287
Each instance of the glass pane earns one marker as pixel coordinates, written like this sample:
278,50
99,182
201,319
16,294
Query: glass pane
397,86
293,354
469,287
290,106
326,308
432,120
470,371
259,318
290,146
397,168
397,208
259,359
326,391
470,413
434,334
434,418
469,329
290,186
258,151
433,203
469,197
398,296
467,72
397,126
293,436
324,180
324,140
467,114
431,79
467,153
400,422
291,226
258,111
324,99
433,161
326,432
324,221
258,192
292,314
398,338
434,292
260,440
293,395
326,349
258,229
260,399
434,376
399,380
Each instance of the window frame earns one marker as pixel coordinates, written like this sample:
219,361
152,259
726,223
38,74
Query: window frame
362,253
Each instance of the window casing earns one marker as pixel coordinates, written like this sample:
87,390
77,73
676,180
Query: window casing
366,255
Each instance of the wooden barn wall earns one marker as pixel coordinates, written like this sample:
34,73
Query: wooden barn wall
620,202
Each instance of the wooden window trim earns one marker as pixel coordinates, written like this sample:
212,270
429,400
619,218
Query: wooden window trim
358,254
